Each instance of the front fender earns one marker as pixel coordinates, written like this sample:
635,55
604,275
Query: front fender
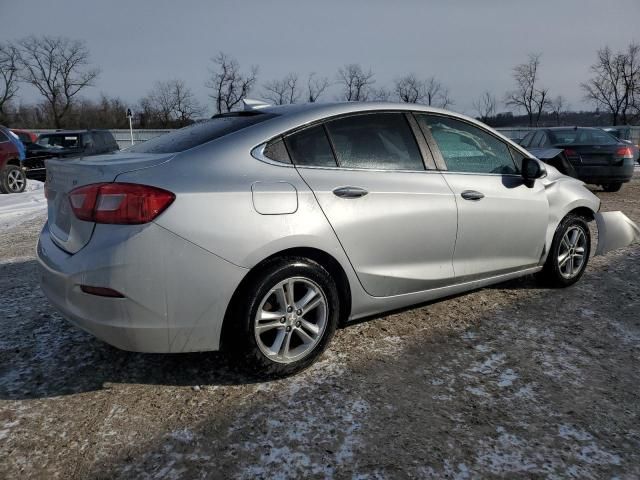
615,230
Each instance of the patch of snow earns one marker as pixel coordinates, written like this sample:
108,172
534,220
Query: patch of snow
16,208
568,432
478,391
489,365
507,378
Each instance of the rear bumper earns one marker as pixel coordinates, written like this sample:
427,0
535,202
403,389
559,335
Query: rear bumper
598,174
175,293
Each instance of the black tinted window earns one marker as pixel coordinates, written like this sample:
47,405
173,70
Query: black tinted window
377,141
3,137
98,142
199,133
526,140
583,136
276,150
62,140
311,147
466,148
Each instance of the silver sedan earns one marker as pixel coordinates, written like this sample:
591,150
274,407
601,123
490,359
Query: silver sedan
261,231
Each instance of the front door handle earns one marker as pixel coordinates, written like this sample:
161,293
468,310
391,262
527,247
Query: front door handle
350,192
472,195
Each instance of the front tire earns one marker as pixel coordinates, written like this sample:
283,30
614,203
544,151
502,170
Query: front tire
12,179
612,187
287,316
569,253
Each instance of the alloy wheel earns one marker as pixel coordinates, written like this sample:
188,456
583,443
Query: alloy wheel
291,320
571,252
15,181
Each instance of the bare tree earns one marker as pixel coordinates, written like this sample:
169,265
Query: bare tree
381,94
558,106
58,68
228,83
8,77
485,106
410,89
528,94
356,83
172,103
436,94
282,92
316,87
615,84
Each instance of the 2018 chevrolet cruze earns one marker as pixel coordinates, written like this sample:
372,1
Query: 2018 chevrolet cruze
260,231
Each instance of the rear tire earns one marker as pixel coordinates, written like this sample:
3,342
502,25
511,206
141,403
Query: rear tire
569,253
285,317
612,187
12,179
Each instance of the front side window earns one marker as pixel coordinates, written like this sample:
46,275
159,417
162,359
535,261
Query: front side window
466,148
310,147
382,141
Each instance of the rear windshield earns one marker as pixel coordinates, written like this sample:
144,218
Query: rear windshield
59,141
582,136
200,133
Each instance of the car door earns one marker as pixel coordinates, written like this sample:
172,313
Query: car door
395,219
501,221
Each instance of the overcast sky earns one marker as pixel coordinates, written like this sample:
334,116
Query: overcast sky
469,45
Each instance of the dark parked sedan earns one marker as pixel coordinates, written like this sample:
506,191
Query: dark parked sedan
597,156
66,143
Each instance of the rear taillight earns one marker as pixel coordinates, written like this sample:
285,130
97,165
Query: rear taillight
119,203
624,152
570,153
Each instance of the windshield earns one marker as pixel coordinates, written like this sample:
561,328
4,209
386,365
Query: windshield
200,133
59,141
582,136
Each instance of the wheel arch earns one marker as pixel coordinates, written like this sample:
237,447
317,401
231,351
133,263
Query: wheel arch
323,258
13,161
584,212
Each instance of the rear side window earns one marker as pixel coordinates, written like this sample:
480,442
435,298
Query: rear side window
467,148
3,137
311,147
200,133
381,141
60,141
526,140
276,150
98,142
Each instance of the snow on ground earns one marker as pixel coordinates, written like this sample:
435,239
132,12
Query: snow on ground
16,208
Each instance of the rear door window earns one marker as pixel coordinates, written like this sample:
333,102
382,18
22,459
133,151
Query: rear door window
467,148
201,132
310,147
380,141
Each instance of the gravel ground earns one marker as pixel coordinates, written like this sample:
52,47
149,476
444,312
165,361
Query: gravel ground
511,381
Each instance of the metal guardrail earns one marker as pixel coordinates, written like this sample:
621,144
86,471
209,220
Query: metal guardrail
123,136
627,132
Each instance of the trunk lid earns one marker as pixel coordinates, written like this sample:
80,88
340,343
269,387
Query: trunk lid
593,154
64,175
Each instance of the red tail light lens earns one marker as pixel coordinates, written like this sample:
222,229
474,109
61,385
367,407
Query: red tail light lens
570,152
624,152
119,203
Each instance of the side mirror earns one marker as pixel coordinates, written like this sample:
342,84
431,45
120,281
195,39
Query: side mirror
532,168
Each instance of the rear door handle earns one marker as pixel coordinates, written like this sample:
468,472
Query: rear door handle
472,195
350,192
